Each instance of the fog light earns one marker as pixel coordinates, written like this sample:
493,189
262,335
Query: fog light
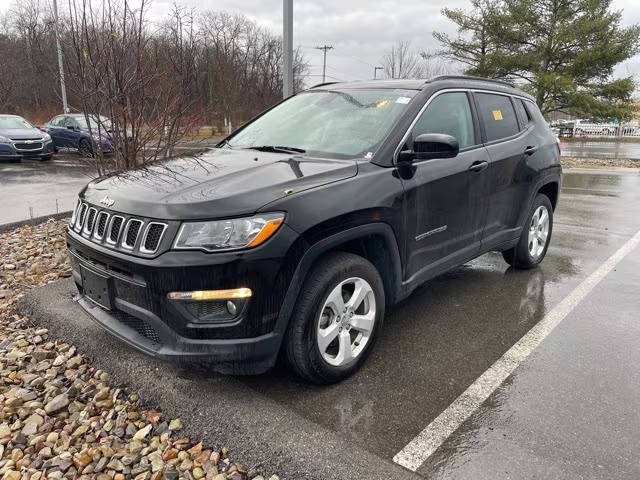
211,295
231,308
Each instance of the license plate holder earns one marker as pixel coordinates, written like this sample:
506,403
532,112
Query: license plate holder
96,287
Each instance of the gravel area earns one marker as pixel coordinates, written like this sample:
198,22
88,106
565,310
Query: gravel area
570,162
62,418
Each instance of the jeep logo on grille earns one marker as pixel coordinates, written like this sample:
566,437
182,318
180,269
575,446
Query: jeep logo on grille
107,201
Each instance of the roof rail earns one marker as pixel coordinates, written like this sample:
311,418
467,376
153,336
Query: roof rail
471,77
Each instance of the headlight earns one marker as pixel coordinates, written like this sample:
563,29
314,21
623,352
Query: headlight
4,139
228,234
46,138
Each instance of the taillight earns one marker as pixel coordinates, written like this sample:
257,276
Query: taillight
559,147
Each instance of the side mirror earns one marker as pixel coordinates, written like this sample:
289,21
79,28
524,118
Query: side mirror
431,145
70,127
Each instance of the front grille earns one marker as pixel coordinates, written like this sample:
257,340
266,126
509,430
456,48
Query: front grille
118,231
28,146
91,218
80,219
101,227
116,226
131,234
152,236
143,327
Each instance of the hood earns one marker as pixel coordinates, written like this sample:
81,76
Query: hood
21,133
217,183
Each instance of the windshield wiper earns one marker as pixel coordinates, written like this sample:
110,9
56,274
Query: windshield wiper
277,149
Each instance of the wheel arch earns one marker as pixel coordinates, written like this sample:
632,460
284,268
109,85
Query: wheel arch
374,241
552,190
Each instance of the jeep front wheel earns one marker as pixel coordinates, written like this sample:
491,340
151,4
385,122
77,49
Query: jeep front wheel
337,317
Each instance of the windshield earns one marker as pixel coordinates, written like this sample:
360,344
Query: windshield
347,123
105,123
14,123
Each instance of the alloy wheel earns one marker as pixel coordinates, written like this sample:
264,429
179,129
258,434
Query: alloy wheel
346,322
538,231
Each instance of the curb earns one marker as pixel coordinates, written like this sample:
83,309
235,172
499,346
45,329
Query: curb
220,410
34,221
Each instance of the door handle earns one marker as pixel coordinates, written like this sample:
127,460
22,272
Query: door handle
530,150
478,166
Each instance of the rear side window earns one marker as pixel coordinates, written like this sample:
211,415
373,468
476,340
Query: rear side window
523,115
448,113
535,113
498,116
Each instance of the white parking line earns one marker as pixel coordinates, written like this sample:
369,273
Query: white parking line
416,452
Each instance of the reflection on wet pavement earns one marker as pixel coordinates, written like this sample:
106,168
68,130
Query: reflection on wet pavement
438,341
46,187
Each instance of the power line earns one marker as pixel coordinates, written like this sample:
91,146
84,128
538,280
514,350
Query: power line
324,48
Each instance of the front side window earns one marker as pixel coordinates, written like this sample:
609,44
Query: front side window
71,122
348,123
498,116
448,113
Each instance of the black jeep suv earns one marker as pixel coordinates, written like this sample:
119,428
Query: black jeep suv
300,228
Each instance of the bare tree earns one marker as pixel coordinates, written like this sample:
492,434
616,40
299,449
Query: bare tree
400,61
155,82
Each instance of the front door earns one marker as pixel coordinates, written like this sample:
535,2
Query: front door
447,197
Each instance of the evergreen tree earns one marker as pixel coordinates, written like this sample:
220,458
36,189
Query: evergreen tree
562,51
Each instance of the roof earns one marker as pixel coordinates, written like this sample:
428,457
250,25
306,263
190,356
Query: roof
451,81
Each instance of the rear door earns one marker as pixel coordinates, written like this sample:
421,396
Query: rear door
446,197
509,144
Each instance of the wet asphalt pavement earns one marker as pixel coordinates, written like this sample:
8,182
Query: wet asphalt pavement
47,187
437,342
600,149
570,410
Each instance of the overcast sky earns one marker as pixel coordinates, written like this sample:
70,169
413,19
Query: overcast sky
359,30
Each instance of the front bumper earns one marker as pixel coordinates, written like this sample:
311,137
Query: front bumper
140,314
9,150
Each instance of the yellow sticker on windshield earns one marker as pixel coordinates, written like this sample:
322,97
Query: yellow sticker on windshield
497,115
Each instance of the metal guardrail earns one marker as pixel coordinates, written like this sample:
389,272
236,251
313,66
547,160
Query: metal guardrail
596,130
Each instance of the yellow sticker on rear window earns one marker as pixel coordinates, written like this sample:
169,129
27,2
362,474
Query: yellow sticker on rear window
497,115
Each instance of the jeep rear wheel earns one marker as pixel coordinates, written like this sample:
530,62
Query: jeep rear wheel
337,317
535,237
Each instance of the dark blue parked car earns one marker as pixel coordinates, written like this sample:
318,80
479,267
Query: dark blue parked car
18,138
71,130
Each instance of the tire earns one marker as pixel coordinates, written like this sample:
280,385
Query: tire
315,312
533,243
84,148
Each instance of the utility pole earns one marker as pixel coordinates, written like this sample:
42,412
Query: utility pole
324,48
63,88
375,72
287,46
